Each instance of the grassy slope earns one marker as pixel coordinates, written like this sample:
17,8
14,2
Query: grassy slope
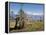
35,26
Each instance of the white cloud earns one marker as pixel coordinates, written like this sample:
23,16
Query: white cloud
31,13
28,12
37,14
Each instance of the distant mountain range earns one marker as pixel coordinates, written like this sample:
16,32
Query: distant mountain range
34,17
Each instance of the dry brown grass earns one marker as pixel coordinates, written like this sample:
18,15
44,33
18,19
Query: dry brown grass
34,26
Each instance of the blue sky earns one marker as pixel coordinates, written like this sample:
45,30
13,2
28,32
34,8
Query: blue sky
30,9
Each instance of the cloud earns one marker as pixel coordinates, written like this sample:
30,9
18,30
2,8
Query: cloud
28,12
37,14
32,13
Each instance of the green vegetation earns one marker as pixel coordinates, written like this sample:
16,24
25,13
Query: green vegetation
36,26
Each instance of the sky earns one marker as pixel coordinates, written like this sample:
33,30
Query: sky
30,9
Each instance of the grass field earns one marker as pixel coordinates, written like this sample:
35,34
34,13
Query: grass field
34,26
